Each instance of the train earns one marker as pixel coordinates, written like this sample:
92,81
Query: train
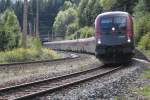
114,36
113,41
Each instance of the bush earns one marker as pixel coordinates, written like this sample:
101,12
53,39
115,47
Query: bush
144,43
72,28
71,37
24,55
86,32
34,42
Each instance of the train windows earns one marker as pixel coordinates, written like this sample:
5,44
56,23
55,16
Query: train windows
120,24
106,25
114,24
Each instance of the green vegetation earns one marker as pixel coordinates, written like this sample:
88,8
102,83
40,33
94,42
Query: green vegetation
144,43
86,32
107,5
71,19
145,91
88,11
71,37
142,19
10,42
34,42
77,17
147,74
142,25
24,55
63,19
34,52
9,30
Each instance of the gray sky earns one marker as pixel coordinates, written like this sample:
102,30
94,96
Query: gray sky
16,0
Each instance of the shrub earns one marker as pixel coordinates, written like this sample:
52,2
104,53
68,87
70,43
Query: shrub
86,32
34,42
24,55
72,28
144,43
71,37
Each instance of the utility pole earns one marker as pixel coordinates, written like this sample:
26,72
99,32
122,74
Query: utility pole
37,18
25,25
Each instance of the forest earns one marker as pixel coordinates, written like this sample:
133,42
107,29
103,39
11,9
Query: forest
66,18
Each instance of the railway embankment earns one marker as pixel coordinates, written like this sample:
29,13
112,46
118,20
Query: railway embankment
123,84
23,73
118,85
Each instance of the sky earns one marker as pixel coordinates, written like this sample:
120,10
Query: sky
16,0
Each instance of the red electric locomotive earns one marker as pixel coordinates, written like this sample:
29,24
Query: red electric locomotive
114,37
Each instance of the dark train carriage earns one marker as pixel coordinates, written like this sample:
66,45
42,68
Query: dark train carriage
114,36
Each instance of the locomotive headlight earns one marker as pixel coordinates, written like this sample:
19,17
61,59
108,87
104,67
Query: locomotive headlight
99,42
113,29
129,40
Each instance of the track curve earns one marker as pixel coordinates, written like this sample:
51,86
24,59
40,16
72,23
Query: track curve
33,89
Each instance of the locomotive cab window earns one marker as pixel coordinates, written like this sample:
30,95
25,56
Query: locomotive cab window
115,24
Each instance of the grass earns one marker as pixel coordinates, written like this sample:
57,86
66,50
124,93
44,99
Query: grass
147,74
145,91
25,55
147,52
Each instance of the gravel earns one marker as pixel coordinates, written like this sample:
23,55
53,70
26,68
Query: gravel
111,87
27,73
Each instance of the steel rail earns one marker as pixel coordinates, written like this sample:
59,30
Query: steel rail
53,84
40,61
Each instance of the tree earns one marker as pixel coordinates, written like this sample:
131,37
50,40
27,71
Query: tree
82,12
142,19
68,5
108,4
63,19
9,30
37,18
18,8
5,4
88,10
118,5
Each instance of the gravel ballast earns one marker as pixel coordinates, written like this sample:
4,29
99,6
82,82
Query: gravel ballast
12,75
114,86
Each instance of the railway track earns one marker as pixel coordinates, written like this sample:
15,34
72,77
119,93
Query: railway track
29,90
71,56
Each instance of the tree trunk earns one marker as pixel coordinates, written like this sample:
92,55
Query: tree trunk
25,25
37,18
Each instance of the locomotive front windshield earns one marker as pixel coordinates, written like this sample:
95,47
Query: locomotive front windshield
115,24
